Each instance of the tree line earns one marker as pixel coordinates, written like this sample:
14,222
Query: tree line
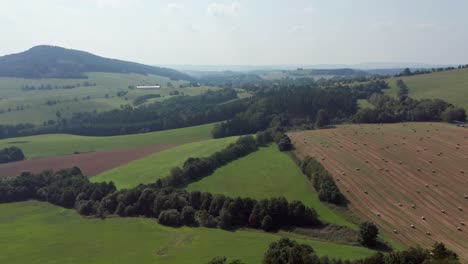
171,206
288,107
11,154
194,169
176,112
287,251
390,110
322,181
31,87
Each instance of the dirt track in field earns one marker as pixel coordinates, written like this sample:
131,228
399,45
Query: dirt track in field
91,163
409,171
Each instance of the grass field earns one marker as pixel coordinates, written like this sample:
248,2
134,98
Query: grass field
103,96
399,175
158,165
36,232
60,144
451,86
264,174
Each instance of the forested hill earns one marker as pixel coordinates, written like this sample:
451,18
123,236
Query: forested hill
56,62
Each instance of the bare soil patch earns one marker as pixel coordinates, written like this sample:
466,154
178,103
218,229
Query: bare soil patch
91,163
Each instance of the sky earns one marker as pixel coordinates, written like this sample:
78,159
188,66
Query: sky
243,32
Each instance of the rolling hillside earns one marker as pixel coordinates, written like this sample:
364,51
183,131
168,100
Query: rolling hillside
410,178
99,92
48,234
264,174
57,62
62,144
451,86
150,168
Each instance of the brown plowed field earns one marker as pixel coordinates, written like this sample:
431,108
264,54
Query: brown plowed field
409,171
91,163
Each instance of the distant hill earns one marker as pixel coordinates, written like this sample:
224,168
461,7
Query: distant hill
451,86
57,62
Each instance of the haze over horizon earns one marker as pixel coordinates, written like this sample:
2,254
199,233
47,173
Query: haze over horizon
241,32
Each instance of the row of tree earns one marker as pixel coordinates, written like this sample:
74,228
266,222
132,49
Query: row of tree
322,181
408,72
286,251
11,154
173,207
31,87
197,168
389,110
175,112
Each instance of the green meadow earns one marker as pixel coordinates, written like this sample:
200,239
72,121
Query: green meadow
264,174
19,106
451,86
60,144
158,165
38,232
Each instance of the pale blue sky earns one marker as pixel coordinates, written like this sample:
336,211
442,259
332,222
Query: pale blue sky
243,32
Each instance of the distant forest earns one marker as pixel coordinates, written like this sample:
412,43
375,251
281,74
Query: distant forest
275,106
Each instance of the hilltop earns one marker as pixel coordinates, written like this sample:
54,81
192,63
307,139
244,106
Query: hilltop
451,86
57,62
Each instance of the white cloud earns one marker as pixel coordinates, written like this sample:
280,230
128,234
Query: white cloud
173,8
224,10
119,3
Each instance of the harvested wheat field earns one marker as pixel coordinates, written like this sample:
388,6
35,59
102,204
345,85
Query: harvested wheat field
90,163
411,179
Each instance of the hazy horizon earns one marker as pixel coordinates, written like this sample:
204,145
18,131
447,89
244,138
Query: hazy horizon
241,32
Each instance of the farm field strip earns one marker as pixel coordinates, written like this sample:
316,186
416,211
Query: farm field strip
102,97
416,164
265,174
62,144
49,234
152,167
90,163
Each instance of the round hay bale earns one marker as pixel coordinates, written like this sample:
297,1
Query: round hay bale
430,161
428,233
412,206
423,217
462,223
412,226
394,231
418,169
459,228
433,171
443,211
427,185
378,214
366,192
460,209
399,204
357,169
436,185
